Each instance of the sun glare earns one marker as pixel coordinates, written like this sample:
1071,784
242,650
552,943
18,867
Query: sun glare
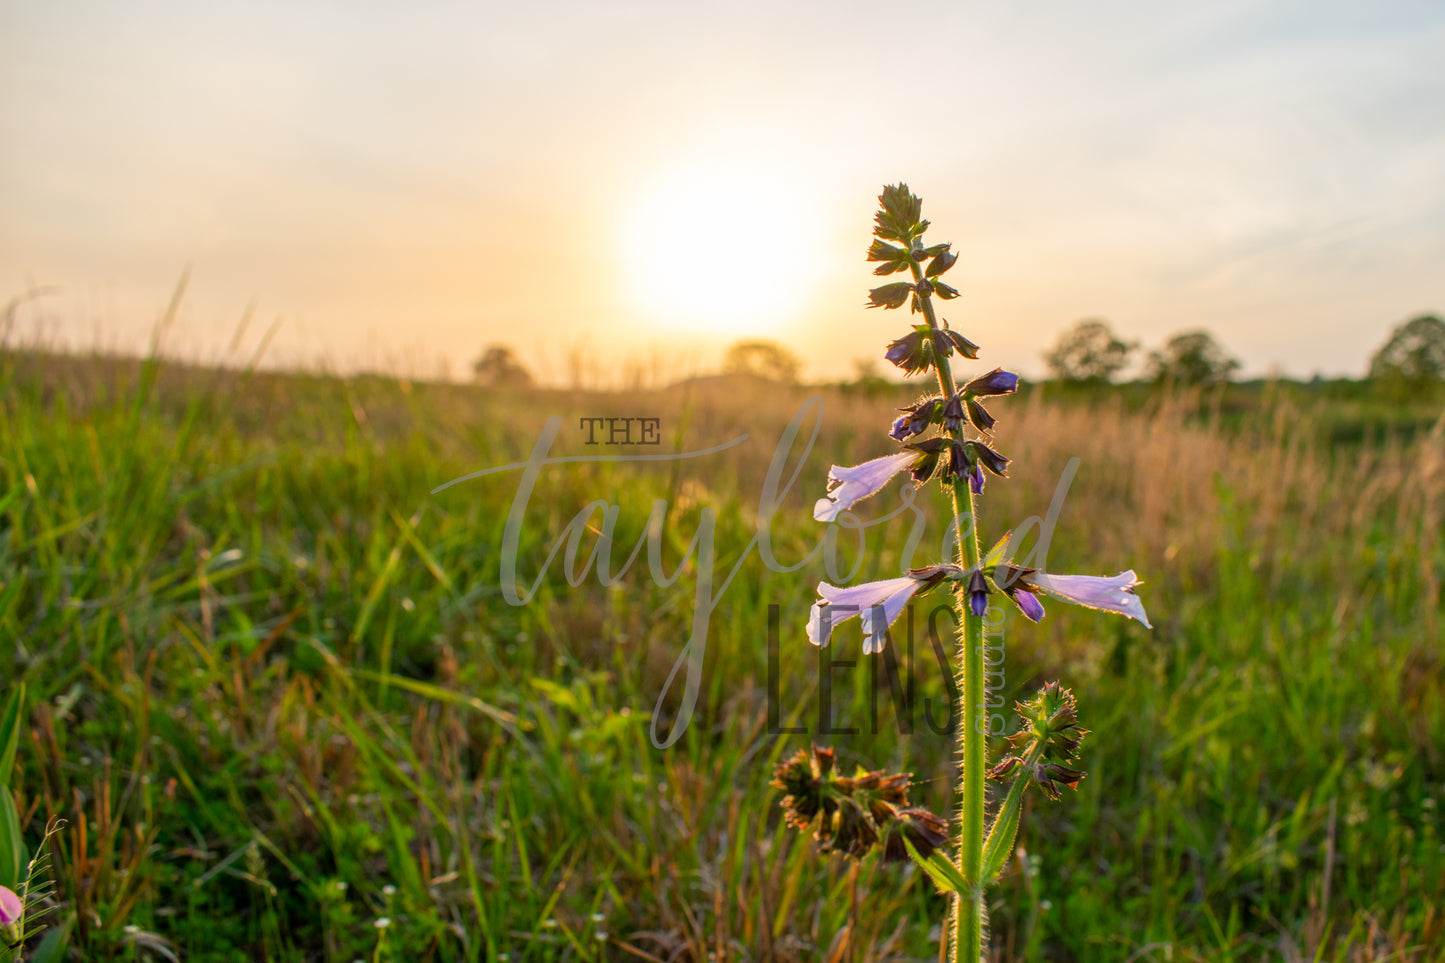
722,247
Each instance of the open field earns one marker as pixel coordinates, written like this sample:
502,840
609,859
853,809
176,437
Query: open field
276,692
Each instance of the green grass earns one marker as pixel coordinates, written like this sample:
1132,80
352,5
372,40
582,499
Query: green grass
276,693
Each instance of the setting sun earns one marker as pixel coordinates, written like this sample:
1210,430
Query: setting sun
724,246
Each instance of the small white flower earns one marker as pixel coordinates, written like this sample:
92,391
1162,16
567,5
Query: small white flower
849,485
1114,594
382,922
883,601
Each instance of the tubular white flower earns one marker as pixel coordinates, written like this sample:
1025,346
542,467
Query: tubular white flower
1110,594
883,601
849,485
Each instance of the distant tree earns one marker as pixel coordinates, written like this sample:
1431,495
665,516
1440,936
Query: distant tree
762,359
1089,353
868,379
1414,355
1192,358
498,366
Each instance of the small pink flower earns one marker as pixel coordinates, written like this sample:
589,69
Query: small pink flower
11,909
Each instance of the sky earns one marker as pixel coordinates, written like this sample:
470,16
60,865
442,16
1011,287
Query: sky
602,184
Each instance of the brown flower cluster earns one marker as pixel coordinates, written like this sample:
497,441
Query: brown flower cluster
853,814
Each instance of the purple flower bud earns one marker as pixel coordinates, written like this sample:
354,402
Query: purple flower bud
926,414
900,349
909,352
990,459
958,463
1028,604
953,415
980,417
975,479
996,382
915,420
977,593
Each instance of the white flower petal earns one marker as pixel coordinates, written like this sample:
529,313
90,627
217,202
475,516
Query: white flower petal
825,509
864,594
849,485
880,617
821,623
1114,594
880,603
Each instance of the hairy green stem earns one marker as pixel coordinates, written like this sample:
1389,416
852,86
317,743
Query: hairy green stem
969,916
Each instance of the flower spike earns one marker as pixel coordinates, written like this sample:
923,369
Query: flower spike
855,815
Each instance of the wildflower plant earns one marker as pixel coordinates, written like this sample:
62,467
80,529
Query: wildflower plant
948,437
24,883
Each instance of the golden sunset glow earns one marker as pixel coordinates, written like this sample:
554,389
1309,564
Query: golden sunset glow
631,175
721,246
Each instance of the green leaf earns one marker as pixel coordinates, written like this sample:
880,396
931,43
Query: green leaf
10,733
439,694
1000,841
940,869
12,844
996,554
56,944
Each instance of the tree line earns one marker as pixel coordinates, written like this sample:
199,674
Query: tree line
1089,353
